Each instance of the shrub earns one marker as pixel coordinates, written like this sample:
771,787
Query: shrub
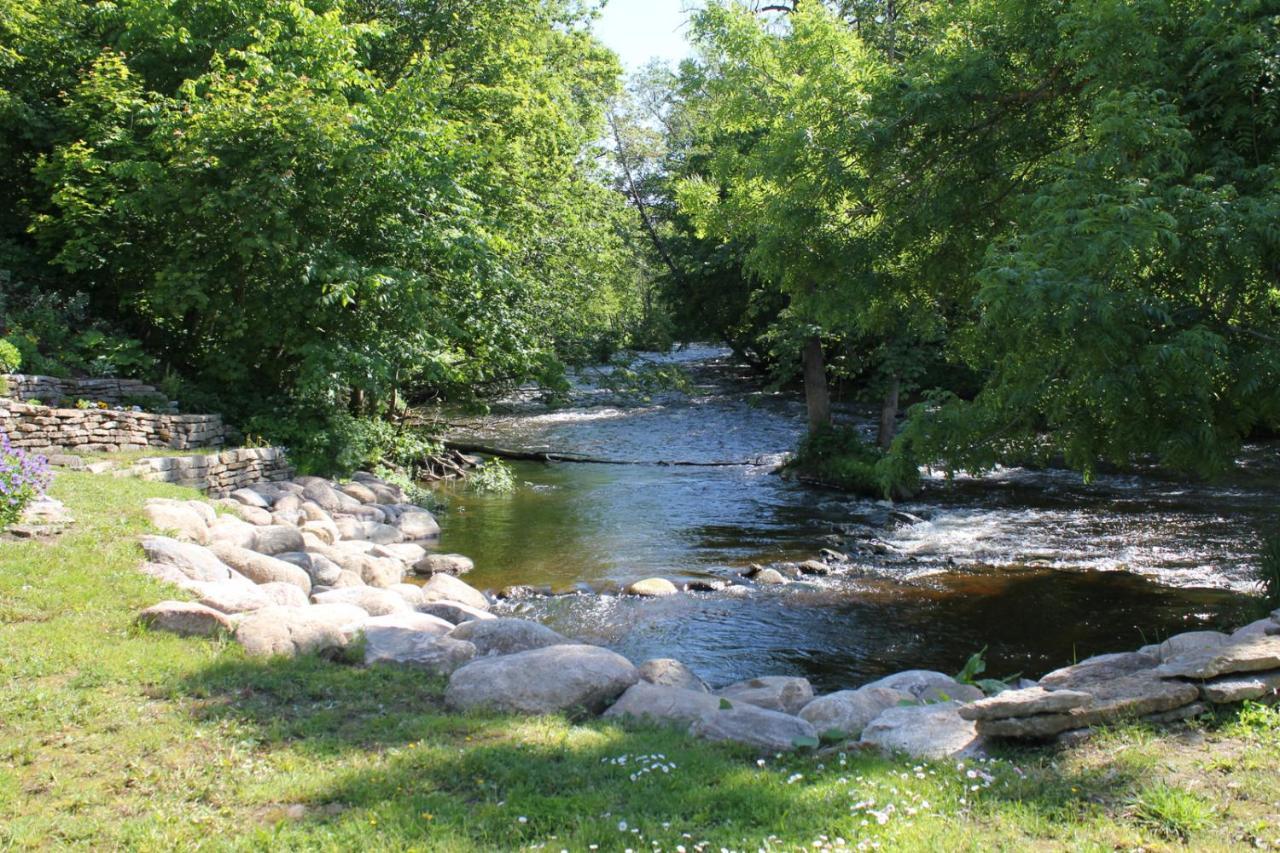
494,476
838,457
23,478
10,357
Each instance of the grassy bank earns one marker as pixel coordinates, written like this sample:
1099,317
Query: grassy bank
114,737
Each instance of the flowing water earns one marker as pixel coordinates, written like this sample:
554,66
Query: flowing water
1036,566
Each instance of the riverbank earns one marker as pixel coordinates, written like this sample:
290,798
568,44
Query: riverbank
119,737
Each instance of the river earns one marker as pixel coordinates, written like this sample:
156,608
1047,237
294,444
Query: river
1036,566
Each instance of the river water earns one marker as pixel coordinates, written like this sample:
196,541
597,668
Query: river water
1036,566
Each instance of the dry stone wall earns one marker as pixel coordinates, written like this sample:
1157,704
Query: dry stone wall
218,474
53,391
41,429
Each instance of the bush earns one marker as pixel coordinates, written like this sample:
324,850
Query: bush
23,478
838,457
10,357
494,476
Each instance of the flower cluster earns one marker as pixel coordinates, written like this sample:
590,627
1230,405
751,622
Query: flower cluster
23,478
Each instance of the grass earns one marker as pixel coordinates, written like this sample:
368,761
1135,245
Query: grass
113,737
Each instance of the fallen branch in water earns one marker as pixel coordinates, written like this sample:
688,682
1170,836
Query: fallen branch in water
550,456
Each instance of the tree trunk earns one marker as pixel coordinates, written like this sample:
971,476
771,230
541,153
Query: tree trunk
816,396
889,413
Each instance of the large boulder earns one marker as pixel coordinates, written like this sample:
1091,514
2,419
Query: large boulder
1259,628
231,597
505,636
186,619
769,577
406,552
415,622
414,639
669,672
768,731
924,731
374,601
196,562
925,685
653,588
773,692
449,588
663,704
249,497
1099,668
1251,654
277,539
322,495
849,711
292,631
179,518
542,681
411,593
443,564
233,531
455,612
1121,698
418,525
260,568
1025,703
359,491
318,567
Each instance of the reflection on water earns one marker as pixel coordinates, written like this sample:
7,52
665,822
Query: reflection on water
1037,565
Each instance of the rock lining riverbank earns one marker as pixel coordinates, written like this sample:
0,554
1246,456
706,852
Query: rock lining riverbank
311,566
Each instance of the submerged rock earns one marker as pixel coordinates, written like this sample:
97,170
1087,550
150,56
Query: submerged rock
774,692
542,681
770,731
653,588
769,577
924,731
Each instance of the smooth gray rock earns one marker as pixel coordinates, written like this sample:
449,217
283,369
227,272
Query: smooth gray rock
926,685
411,593
196,562
1237,688
359,491
292,631
374,601
178,517
260,568
233,531
1025,702
449,588
231,597
455,612
924,731
414,622
435,653
406,552
322,495
320,568
277,539
287,594
418,525
443,564
1099,668
186,619
249,497
849,711
663,704
1116,699
505,636
768,731
772,692
669,672
769,577
653,588
542,681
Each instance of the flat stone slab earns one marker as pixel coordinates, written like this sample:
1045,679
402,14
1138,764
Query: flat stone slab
1237,688
783,693
924,731
1251,654
1099,668
1120,698
663,704
542,681
1025,702
769,731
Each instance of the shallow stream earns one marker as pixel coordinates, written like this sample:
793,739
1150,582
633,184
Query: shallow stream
1036,566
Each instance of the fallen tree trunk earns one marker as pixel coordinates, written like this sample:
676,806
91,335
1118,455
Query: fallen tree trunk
550,456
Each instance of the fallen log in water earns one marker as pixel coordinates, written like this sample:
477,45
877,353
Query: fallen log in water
551,456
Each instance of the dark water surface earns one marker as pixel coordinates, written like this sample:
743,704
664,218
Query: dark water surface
1036,565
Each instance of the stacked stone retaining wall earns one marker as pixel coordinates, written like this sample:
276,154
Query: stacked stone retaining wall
53,391
41,429
218,474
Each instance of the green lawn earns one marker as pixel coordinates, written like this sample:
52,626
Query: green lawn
113,737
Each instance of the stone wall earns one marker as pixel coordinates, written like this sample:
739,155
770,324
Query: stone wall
52,391
218,474
45,430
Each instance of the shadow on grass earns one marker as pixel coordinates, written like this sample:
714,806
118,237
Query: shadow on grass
374,750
